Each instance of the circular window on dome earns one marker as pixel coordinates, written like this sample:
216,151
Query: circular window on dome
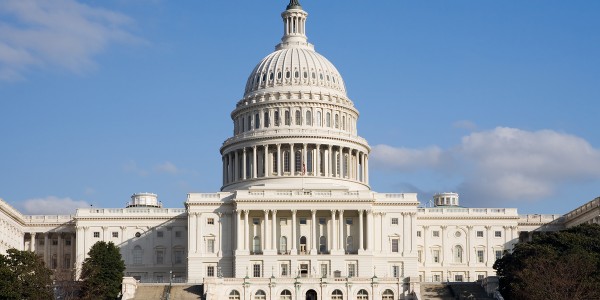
287,74
305,75
313,75
333,79
457,234
270,76
321,76
296,74
327,77
138,234
278,75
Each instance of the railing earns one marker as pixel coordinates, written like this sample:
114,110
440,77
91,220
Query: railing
470,211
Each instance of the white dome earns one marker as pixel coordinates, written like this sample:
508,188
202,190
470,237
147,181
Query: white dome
301,67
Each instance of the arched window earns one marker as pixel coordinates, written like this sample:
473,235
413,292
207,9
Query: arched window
337,121
308,118
137,255
256,121
319,121
277,120
458,254
243,124
234,295
328,119
388,295
283,245
322,244
285,295
256,244
260,295
298,117
345,165
288,120
298,162
309,161
286,161
349,244
362,295
266,119
337,295
249,119
344,123
303,244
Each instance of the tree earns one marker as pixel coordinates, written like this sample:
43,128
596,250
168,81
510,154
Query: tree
557,265
23,275
102,272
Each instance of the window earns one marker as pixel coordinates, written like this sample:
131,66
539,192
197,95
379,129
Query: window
115,234
362,295
234,295
480,255
256,121
437,278
328,119
395,245
303,244
324,270
458,254
277,120
351,270
303,270
498,254
210,246
396,271
96,234
287,117
67,242
210,271
266,118
337,121
436,256
137,255
419,233
54,242
284,270
260,295
349,244
298,117
458,277
498,233
309,162
479,233
41,242
394,221
480,276
178,256
160,256
337,295
256,270
285,295
255,221
348,221
302,221
435,233
249,119
388,295
256,244
420,255
286,161
322,244
67,261
298,161
210,221
319,121
159,234
177,234
308,118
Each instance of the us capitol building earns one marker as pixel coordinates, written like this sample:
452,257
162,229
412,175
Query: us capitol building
295,217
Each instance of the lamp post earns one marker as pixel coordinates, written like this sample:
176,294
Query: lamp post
170,284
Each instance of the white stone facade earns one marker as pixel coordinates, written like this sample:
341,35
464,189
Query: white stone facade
295,217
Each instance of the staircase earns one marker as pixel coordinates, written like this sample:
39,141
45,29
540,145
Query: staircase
468,290
149,292
186,292
435,291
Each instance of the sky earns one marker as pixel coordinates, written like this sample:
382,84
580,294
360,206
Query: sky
496,100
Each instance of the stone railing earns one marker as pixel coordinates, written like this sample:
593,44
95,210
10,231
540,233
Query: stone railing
469,211
594,204
47,219
98,212
277,132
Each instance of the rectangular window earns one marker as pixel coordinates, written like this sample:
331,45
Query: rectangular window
480,277
458,278
420,255
160,257
178,256
322,221
479,233
67,242
160,234
304,270
324,269
41,242
115,234
302,221
395,245
498,254
351,270
480,257
498,233
349,221
54,242
436,256
256,270
210,271
96,234
210,221
437,278
394,221
419,233
396,271
67,261
210,246
255,221
284,270
435,233
177,234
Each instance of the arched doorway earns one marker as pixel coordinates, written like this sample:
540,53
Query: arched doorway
311,295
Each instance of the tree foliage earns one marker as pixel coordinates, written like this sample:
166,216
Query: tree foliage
557,265
102,272
23,275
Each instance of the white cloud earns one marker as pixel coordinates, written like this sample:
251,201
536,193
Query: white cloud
504,163
52,205
58,33
166,167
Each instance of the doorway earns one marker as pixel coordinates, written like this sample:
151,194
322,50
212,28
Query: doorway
311,295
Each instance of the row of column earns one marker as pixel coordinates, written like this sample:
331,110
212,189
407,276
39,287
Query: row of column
49,251
336,237
326,161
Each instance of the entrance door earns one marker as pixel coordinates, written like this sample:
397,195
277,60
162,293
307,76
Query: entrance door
311,295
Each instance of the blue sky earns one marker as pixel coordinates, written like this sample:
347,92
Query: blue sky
496,100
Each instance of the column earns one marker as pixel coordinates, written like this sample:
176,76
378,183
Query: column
360,231
357,165
279,164
244,164
32,244
198,225
332,243
254,162
46,249
313,248
236,168
328,161
239,231
229,168
317,168
292,160
224,173
342,245
192,232
294,251
61,251
341,163
247,230
123,228
468,250
274,229
370,231
405,233
426,250
443,254
265,237
266,161
366,169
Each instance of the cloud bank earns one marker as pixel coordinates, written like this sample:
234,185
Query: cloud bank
503,163
59,33
52,205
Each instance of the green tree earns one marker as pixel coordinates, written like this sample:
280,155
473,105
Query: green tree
23,275
102,272
557,265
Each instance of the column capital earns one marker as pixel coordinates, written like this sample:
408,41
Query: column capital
488,227
360,212
294,211
266,211
313,211
244,149
273,211
254,147
123,227
246,212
